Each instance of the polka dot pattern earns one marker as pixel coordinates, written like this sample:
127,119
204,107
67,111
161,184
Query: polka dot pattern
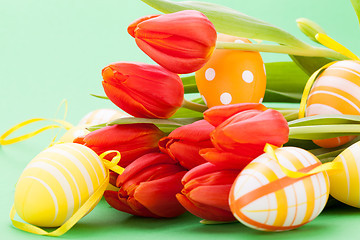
232,76
210,74
225,98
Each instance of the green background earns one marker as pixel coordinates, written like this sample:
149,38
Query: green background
55,49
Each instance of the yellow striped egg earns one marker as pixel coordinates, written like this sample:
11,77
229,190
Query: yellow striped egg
102,116
336,91
264,198
345,185
56,183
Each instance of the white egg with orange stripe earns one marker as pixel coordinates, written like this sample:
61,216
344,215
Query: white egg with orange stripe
57,182
336,91
263,197
345,185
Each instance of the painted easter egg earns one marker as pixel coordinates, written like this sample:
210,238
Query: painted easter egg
264,198
56,183
336,91
102,116
345,185
232,76
73,133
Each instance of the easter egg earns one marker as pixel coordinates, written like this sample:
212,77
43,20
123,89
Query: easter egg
345,185
232,76
336,91
102,116
75,132
264,198
56,183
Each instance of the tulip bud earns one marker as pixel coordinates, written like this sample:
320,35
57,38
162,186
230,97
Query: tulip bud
181,49
148,187
184,143
206,192
143,90
309,28
131,140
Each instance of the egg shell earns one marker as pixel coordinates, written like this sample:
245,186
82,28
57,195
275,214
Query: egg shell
100,116
232,76
336,91
56,183
264,198
345,185
75,132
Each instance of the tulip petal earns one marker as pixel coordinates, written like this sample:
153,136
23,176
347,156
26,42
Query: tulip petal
158,196
187,155
172,63
228,159
218,114
194,132
205,211
203,169
213,195
256,130
131,28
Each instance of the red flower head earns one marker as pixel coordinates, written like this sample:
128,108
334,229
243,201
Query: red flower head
143,90
131,140
148,187
183,144
206,192
241,132
181,42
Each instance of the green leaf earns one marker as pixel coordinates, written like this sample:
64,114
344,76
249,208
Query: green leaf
99,96
310,64
184,112
356,5
96,127
189,84
300,143
230,21
324,131
326,120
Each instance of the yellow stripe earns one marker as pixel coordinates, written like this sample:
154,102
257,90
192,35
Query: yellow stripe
310,198
354,177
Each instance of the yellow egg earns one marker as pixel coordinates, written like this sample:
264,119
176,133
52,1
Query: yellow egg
345,185
102,116
264,198
56,183
75,132
232,76
336,91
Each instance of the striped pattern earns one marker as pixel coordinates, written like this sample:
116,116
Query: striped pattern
345,186
262,197
56,183
336,91
102,116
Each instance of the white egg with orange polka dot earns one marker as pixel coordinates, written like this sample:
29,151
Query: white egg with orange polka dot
232,76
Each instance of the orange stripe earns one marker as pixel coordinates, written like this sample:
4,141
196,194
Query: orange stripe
351,77
265,226
291,158
345,94
271,187
337,103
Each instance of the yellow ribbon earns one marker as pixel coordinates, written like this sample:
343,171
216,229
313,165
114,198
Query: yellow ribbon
334,45
307,89
329,166
82,211
58,124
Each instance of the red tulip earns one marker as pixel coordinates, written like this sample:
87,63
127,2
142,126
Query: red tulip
181,42
206,192
184,143
143,90
131,140
148,187
243,133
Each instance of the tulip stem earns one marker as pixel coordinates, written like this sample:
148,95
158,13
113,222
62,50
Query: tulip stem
308,51
194,106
